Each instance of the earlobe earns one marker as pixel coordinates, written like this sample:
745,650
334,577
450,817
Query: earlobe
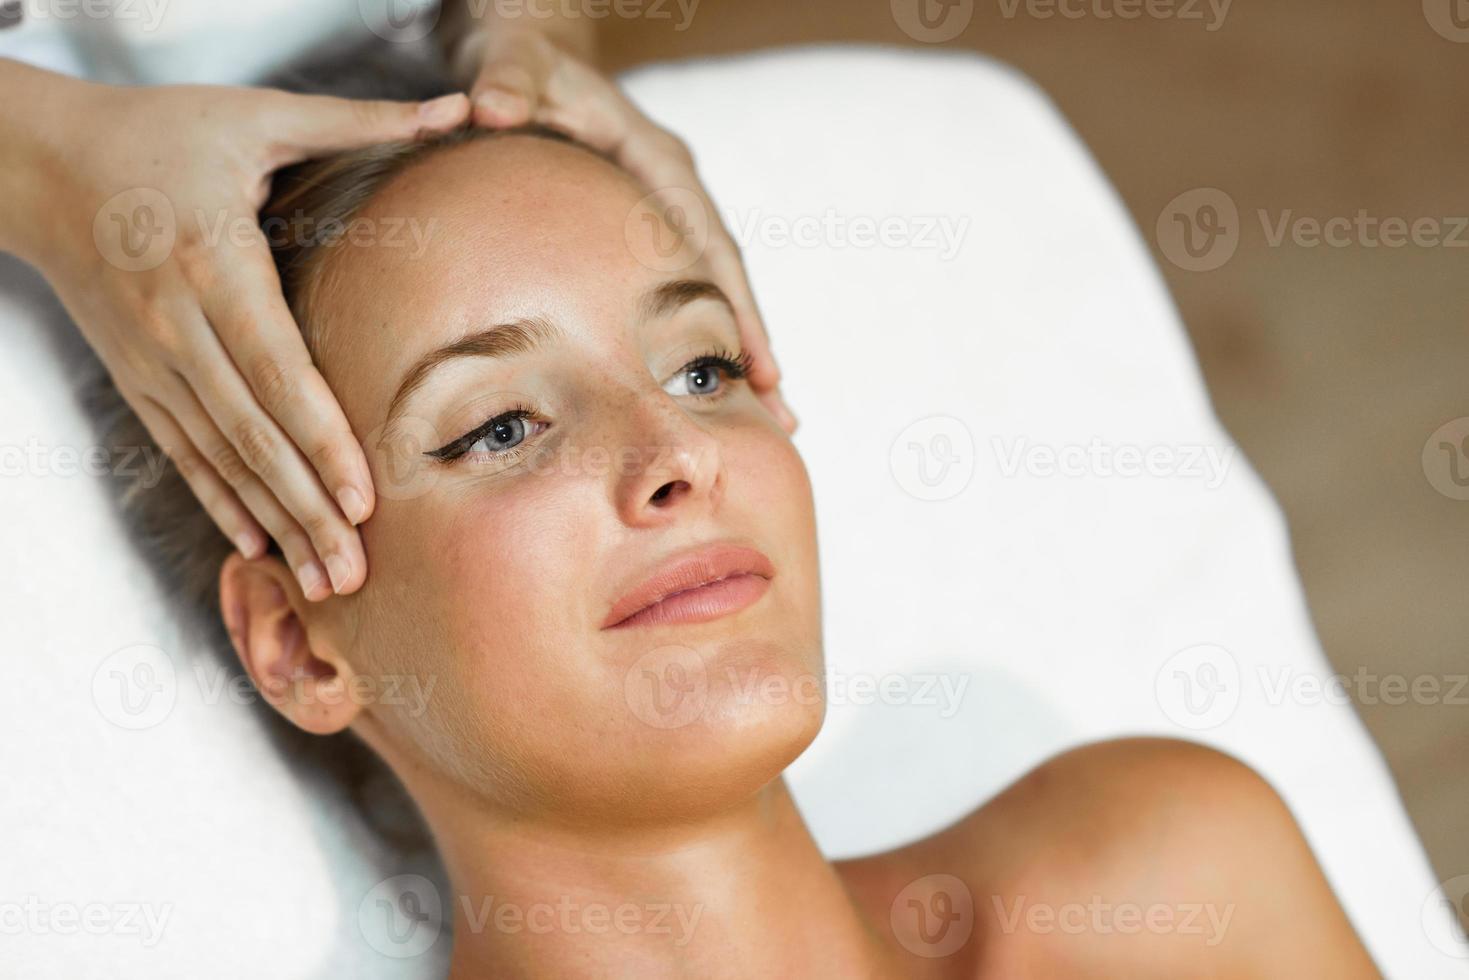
262,604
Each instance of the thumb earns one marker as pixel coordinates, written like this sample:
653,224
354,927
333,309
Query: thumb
310,125
510,86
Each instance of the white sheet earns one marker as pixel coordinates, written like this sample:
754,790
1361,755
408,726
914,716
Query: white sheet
1073,607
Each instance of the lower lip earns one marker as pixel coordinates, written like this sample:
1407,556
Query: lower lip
708,602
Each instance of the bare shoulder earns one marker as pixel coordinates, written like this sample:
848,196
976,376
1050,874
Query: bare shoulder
1135,857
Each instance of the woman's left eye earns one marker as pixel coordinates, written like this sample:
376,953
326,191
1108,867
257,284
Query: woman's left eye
706,375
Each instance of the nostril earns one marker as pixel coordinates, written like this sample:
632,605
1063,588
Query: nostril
668,492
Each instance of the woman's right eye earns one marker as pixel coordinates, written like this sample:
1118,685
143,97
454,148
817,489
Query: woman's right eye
503,433
500,436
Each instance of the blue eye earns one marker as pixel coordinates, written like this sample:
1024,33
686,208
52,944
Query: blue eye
500,436
706,375
503,433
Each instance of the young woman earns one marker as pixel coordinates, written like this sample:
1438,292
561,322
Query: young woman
594,545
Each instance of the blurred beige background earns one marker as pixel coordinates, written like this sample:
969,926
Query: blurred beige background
1332,366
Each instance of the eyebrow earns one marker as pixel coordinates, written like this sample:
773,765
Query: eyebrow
524,336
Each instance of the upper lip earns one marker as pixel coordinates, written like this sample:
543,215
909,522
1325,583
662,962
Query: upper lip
689,570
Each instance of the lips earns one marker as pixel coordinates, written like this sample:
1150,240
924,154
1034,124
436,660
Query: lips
695,587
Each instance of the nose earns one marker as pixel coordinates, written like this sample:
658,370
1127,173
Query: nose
676,471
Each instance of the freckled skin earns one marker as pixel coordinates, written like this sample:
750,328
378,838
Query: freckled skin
536,763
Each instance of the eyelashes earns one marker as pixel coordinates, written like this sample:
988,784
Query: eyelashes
507,432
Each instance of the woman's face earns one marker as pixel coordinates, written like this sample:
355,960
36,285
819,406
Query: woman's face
622,447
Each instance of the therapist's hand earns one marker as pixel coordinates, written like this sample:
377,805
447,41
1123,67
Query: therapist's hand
145,221
517,75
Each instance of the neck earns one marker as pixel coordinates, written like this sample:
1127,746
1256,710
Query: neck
742,893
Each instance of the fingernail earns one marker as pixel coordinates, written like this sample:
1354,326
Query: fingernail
248,542
339,570
441,111
352,504
311,578
500,102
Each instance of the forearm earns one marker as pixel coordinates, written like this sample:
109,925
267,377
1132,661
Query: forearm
573,32
31,153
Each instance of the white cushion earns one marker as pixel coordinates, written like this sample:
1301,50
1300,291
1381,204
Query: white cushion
932,375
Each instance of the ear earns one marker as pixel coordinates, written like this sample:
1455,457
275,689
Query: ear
263,610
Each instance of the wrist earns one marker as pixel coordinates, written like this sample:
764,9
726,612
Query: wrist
32,155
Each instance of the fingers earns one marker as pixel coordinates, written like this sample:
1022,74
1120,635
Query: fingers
218,499
249,445
258,332
302,126
220,455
